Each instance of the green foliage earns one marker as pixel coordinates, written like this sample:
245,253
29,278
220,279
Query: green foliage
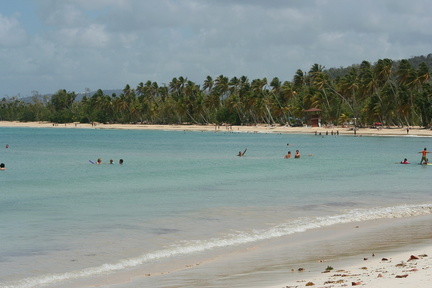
62,100
62,116
28,116
223,115
329,268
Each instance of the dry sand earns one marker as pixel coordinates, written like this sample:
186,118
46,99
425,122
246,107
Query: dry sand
385,131
396,270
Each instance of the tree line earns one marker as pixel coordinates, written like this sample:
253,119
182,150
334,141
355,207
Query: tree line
390,92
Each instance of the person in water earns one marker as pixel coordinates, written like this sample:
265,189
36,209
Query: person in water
121,161
240,154
2,166
99,161
405,161
297,154
288,155
424,159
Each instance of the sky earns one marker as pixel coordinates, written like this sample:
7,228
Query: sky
47,45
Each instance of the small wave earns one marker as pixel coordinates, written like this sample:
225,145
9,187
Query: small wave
296,226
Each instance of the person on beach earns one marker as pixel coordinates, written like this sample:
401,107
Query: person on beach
240,154
405,161
288,155
424,159
2,166
297,154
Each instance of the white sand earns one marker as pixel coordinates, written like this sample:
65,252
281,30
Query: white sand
399,131
395,270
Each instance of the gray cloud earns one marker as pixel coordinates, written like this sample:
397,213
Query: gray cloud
12,34
108,44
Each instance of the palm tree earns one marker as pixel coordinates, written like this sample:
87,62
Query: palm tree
349,86
299,80
262,101
221,86
208,84
322,83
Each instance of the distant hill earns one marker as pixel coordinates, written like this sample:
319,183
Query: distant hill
106,92
414,61
45,98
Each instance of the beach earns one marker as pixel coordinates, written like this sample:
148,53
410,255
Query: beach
404,265
342,130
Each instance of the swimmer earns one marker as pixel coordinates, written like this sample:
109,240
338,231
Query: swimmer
99,161
240,154
297,154
288,155
2,166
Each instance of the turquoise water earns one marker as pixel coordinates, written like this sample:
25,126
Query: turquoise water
185,193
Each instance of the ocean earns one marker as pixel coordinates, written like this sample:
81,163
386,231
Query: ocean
184,211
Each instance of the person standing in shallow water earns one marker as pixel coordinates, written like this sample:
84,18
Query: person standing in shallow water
297,154
288,155
424,159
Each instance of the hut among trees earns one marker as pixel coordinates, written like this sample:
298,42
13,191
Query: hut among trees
313,117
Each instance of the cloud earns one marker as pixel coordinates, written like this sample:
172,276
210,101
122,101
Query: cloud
110,43
12,33
92,36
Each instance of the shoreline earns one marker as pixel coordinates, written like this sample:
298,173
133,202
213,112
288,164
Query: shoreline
340,130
